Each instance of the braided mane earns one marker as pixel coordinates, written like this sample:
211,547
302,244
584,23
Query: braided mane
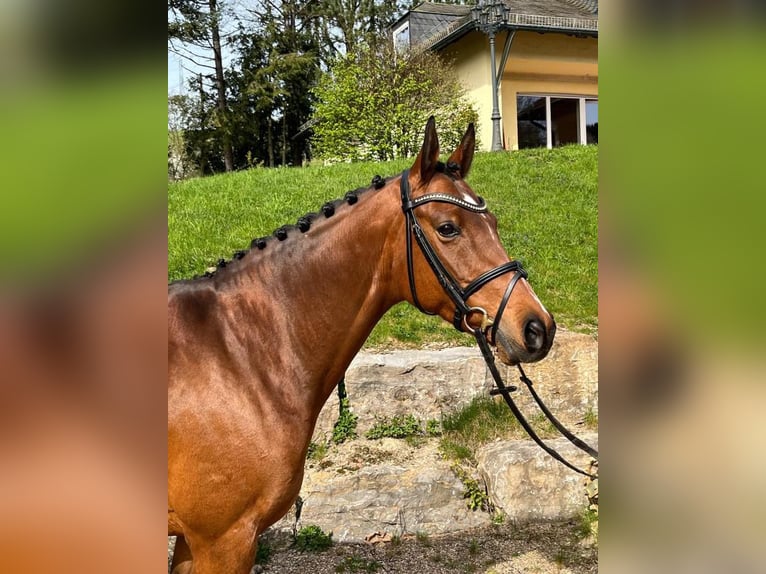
302,225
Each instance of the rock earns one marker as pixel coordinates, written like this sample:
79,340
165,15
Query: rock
566,380
414,492
425,383
528,484
432,383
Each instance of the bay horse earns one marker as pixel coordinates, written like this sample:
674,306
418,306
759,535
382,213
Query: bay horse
257,347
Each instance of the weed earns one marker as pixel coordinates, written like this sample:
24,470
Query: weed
415,441
591,419
398,426
357,564
317,450
345,427
433,427
454,451
498,517
312,539
263,553
423,538
588,524
474,494
473,547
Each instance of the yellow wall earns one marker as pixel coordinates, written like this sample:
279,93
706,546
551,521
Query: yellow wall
554,64
470,56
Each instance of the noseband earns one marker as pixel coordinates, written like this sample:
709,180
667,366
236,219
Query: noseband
463,311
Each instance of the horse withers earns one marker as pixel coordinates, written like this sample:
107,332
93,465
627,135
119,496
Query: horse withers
257,347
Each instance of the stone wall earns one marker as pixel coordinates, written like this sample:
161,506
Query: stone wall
387,486
429,384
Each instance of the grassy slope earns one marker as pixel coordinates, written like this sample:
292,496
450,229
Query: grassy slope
545,201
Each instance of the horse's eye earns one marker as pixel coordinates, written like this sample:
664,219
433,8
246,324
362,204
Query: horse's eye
448,229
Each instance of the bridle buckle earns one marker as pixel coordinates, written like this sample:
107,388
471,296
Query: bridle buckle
486,320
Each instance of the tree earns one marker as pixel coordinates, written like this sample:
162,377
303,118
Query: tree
347,24
180,119
271,80
194,33
373,104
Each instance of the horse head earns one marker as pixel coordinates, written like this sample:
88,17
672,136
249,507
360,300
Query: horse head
459,244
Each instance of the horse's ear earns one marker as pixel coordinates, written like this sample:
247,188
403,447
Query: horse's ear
463,155
425,164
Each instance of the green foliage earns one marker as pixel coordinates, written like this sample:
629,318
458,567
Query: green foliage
473,546
373,104
587,524
181,164
591,419
453,450
312,539
398,426
317,450
498,517
475,495
433,427
480,422
345,427
423,538
357,564
263,553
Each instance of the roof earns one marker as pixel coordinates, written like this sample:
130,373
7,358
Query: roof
568,16
439,8
583,9
453,10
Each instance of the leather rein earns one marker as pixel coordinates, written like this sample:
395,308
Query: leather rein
463,311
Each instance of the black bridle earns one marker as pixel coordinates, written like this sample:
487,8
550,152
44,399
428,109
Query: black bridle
463,310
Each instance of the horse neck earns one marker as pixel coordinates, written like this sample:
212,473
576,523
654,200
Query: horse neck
314,298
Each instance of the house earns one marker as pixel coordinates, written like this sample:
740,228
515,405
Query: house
546,58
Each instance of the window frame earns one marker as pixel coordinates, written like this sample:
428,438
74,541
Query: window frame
398,30
582,134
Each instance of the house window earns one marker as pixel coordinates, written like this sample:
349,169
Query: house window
552,121
591,121
402,37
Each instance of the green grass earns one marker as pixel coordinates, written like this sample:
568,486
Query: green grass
545,202
480,422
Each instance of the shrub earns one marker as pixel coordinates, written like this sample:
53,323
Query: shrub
312,539
373,104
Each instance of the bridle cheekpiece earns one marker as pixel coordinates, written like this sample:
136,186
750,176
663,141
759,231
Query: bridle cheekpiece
457,294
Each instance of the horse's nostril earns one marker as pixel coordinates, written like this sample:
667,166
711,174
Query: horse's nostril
534,335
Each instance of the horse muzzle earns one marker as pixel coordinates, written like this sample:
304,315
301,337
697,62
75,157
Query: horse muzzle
532,344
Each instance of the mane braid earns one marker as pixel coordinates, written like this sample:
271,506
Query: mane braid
303,224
